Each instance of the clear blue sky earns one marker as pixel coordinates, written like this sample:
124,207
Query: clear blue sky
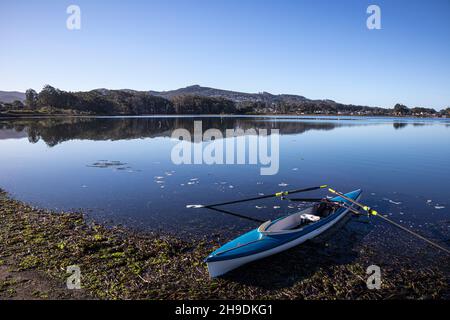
319,49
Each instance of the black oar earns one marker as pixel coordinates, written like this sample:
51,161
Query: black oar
375,213
278,194
236,214
304,199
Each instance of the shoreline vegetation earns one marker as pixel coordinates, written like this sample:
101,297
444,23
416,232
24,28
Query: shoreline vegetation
193,100
37,246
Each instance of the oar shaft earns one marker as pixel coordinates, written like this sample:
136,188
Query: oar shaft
343,196
278,194
349,208
235,214
375,213
304,199
414,234
238,201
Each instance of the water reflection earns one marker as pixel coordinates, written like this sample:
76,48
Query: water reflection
400,125
54,131
121,168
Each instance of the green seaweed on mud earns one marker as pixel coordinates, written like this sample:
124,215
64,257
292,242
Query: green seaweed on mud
118,263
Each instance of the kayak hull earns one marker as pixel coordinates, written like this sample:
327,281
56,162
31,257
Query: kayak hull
219,265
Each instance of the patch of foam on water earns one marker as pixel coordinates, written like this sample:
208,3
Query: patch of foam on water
283,184
439,207
392,201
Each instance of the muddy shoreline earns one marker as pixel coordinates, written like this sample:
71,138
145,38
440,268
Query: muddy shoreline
37,246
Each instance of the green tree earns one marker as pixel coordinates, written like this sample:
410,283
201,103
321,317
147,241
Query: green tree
48,97
31,98
17,104
401,110
194,104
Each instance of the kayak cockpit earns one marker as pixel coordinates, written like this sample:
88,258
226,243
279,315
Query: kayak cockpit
296,222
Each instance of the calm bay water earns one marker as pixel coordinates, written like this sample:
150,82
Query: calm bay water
120,169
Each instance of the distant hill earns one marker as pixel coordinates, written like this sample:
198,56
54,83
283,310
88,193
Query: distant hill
196,90
267,103
230,95
10,96
200,100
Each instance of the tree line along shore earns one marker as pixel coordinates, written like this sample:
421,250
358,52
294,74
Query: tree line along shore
52,101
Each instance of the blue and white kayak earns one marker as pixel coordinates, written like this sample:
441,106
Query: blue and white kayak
276,236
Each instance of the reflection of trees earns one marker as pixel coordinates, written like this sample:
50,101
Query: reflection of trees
399,125
56,130
33,135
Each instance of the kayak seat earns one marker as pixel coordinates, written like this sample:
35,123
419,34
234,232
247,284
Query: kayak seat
305,219
309,217
290,222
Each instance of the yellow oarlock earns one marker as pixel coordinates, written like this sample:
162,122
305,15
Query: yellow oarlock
369,210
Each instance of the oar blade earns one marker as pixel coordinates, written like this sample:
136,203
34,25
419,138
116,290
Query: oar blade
194,206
